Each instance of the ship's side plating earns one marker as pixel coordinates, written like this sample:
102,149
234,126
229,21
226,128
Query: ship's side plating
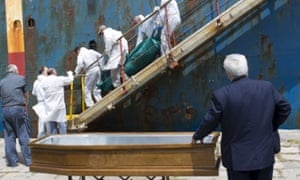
176,100
269,37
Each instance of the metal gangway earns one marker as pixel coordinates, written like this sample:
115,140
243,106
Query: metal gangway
220,23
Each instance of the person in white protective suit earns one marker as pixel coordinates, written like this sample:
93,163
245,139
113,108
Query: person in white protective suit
39,108
55,115
115,53
145,29
171,15
89,62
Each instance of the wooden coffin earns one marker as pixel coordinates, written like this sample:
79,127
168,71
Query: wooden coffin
124,154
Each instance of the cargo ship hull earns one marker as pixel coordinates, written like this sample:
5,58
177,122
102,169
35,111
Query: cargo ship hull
176,100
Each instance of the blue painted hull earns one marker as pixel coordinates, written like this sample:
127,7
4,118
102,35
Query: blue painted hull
176,100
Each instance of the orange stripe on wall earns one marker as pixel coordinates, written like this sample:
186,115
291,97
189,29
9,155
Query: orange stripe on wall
15,34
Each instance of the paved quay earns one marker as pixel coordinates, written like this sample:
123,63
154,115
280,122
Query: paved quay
287,166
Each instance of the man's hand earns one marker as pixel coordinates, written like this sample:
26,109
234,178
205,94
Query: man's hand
156,8
69,73
194,141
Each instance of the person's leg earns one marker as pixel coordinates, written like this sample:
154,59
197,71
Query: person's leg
48,128
263,174
41,129
52,127
62,126
115,77
28,125
164,41
166,33
44,130
39,110
23,135
96,90
9,138
122,75
173,24
88,87
238,175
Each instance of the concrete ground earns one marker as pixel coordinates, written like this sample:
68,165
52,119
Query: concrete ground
287,166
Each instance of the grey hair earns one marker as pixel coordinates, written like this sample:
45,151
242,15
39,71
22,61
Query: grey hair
12,68
235,66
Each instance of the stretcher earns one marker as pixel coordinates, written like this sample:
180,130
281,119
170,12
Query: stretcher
124,155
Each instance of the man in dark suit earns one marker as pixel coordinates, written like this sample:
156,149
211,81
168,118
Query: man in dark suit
249,112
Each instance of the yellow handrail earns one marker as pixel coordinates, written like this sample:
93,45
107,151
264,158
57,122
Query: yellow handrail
70,116
82,93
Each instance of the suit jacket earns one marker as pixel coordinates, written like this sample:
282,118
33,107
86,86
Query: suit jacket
249,112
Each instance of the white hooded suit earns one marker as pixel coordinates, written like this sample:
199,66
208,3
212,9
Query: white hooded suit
114,52
174,20
86,62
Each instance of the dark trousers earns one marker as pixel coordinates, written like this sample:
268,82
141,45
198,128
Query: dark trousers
260,174
14,123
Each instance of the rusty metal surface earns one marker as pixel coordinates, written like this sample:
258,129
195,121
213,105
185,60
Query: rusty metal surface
3,39
181,50
53,28
3,49
178,100
175,100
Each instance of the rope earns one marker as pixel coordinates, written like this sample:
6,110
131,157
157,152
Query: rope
169,56
219,23
168,28
217,7
174,39
122,62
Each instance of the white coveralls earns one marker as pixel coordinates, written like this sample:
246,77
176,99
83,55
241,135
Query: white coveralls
55,101
39,108
86,62
112,49
145,29
173,21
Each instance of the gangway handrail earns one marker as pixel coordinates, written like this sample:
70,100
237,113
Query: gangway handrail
70,116
214,27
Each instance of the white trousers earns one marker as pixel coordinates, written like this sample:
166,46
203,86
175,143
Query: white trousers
115,75
91,91
174,21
